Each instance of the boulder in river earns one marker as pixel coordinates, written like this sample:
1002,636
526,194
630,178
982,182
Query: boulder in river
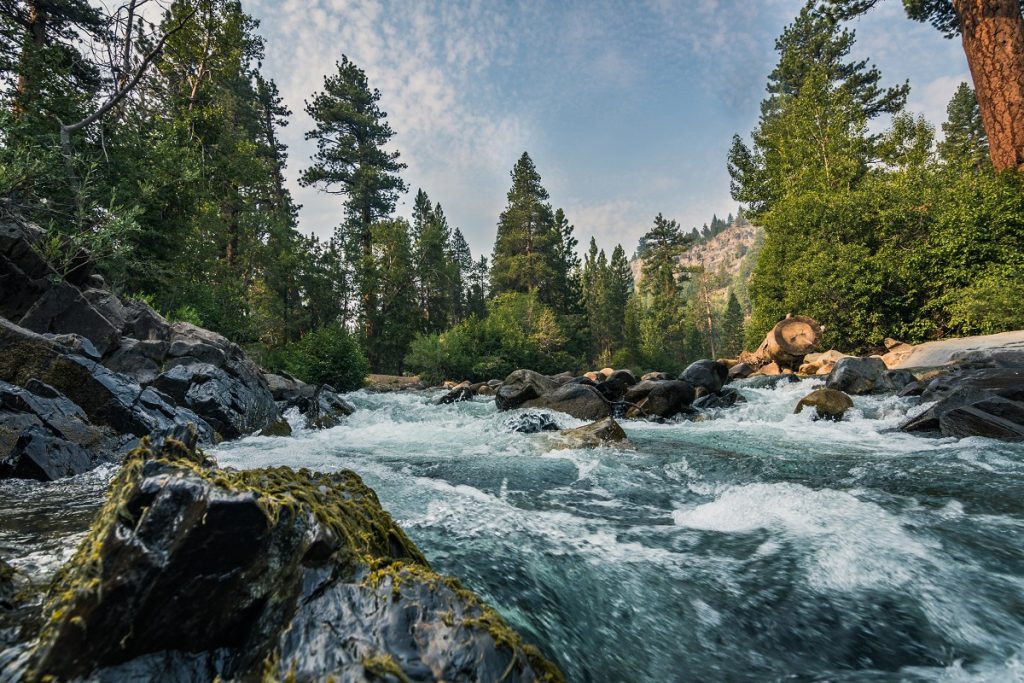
973,402
706,376
605,432
869,375
615,386
659,399
828,404
190,572
768,381
460,392
522,386
579,400
326,408
726,398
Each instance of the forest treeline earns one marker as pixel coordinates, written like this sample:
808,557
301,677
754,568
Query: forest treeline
156,149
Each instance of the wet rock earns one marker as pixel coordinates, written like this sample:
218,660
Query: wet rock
230,406
107,398
143,323
63,309
973,402
44,436
604,432
141,360
740,371
705,376
614,388
726,398
531,423
7,588
522,386
768,381
828,404
194,573
460,392
656,376
659,399
289,391
579,400
562,377
866,376
327,408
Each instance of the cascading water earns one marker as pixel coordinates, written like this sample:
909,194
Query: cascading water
757,545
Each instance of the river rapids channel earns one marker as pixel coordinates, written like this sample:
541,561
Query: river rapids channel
753,546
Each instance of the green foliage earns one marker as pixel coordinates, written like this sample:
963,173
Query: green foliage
329,355
518,332
876,235
732,327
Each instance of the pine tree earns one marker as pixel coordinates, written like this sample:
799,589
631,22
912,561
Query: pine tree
732,327
564,296
461,262
478,289
526,239
965,140
663,317
396,316
351,160
620,290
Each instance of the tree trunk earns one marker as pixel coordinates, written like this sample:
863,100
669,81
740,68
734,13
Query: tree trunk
993,39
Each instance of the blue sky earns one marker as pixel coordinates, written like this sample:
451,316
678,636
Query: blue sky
626,107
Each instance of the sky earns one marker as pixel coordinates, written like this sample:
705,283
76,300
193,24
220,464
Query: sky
627,107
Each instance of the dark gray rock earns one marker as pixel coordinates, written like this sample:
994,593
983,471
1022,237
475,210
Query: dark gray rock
656,376
531,423
726,398
614,388
705,376
143,323
63,309
140,360
659,398
202,574
461,392
973,402
289,391
857,376
579,400
740,371
605,432
326,408
522,386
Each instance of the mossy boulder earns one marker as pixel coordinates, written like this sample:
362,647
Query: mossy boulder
191,572
829,404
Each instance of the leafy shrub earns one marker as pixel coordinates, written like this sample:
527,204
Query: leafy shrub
328,355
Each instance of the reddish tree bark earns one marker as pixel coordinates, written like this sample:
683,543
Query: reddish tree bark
993,39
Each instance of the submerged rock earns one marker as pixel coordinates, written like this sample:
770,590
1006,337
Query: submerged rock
190,572
604,432
768,381
531,423
828,404
460,392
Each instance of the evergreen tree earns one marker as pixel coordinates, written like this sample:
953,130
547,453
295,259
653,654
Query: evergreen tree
351,134
620,290
478,289
461,263
565,292
732,327
965,140
662,311
527,239
396,315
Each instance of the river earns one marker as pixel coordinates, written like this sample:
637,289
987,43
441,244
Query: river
754,546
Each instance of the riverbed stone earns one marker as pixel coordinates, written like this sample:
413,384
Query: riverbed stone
194,573
828,404
327,408
869,375
973,402
726,398
521,386
659,398
531,423
579,400
705,376
605,432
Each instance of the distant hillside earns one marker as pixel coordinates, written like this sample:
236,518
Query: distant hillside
728,259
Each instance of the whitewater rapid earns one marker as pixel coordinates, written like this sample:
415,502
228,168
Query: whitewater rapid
755,545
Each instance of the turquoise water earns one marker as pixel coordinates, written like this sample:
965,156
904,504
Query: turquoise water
754,546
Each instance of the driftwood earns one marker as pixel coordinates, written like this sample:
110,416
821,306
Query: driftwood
787,343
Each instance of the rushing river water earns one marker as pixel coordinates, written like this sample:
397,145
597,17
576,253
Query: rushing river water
755,546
